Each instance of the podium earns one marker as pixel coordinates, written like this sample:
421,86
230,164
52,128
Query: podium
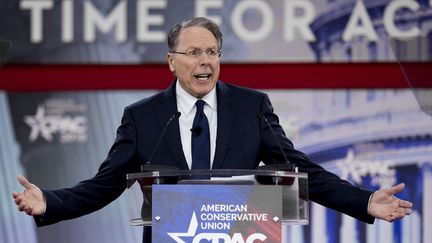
230,205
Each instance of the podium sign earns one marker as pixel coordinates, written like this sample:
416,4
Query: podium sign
217,213
230,206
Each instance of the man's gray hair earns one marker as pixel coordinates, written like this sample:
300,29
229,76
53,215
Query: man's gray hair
198,21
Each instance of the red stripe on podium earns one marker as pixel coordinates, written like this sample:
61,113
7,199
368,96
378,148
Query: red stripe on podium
26,77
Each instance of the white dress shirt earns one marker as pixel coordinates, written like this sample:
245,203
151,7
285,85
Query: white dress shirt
186,105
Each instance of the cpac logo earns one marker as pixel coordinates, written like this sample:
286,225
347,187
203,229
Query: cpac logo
71,129
213,237
356,168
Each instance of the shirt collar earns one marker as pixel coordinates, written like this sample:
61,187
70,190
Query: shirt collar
186,102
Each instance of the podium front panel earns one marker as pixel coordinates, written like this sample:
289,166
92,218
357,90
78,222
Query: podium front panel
292,187
216,212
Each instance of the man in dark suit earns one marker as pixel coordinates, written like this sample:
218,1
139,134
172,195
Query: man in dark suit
235,138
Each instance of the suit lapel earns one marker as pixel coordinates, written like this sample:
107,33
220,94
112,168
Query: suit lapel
167,108
224,124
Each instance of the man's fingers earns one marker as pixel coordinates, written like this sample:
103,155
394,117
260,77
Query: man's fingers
396,189
24,182
406,211
402,212
405,204
28,210
21,207
18,200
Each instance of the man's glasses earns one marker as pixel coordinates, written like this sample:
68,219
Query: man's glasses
196,53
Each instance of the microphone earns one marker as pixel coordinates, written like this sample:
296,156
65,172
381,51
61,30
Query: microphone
196,131
148,166
285,167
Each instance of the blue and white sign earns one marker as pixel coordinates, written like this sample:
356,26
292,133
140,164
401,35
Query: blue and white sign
232,213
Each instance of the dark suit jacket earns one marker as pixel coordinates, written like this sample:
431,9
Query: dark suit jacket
243,140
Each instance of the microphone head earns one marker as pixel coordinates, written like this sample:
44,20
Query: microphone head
177,114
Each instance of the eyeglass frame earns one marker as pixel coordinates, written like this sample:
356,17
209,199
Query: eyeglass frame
187,53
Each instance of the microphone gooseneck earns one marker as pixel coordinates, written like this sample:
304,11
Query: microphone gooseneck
173,117
291,166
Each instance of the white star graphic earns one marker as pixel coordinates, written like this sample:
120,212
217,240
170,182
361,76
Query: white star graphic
191,231
39,124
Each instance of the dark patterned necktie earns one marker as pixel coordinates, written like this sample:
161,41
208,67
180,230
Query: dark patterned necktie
200,139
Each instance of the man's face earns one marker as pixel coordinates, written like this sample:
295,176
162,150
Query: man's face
197,75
